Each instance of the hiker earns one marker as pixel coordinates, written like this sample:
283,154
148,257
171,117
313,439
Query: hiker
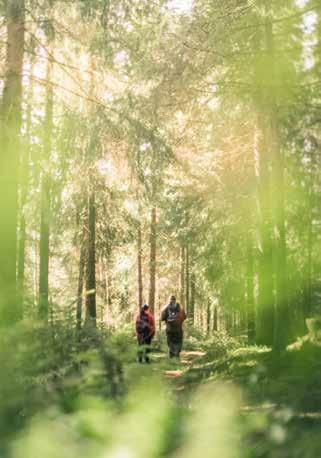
145,330
174,315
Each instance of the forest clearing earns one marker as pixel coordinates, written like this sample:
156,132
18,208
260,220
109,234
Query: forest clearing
160,214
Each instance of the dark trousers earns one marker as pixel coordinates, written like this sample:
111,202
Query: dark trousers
175,343
143,353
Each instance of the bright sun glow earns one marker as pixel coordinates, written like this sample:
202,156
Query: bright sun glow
181,5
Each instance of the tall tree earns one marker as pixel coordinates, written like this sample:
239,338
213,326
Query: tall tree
191,312
187,279
81,275
139,265
250,312
265,308
24,187
281,300
182,275
152,260
91,260
44,249
10,113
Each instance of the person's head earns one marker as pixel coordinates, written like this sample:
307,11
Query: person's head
144,308
172,300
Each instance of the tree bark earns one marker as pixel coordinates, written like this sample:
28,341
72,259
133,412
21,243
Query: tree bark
187,279
208,318
91,263
282,316
46,203
152,264
250,315
192,302
139,266
24,186
265,300
307,276
10,114
215,320
81,275
265,311
182,276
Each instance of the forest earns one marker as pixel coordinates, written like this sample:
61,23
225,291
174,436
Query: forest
150,149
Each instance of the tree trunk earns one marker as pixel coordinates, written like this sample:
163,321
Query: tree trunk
139,266
91,263
46,203
108,284
35,272
215,320
282,317
101,289
24,186
10,114
192,302
182,276
208,318
187,285
265,300
307,280
250,315
265,311
152,264
81,275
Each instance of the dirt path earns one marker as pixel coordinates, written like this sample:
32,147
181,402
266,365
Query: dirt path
177,371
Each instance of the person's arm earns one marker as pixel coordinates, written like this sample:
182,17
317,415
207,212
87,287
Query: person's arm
164,314
137,323
152,325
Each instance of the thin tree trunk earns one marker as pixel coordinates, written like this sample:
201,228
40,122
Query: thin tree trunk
152,264
81,276
104,283
91,263
101,283
208,318
35,272
307,286
10,114
192,302
108,284
265,302
182,276
139,266
215,320
24,186
187,280
46,204
282,317
265,311
250,291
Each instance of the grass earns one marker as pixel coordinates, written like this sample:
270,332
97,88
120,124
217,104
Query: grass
223,399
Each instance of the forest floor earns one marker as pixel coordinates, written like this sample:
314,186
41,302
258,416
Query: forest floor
222,399
280,402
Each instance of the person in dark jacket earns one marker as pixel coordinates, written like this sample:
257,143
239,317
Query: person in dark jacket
145,331
174,316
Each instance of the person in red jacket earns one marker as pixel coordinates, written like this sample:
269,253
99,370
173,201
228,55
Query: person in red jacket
145,330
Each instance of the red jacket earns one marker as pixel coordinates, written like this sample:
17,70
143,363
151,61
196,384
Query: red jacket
149,319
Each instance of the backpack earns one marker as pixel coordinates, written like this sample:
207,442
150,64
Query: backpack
142,325
172,314
172,317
